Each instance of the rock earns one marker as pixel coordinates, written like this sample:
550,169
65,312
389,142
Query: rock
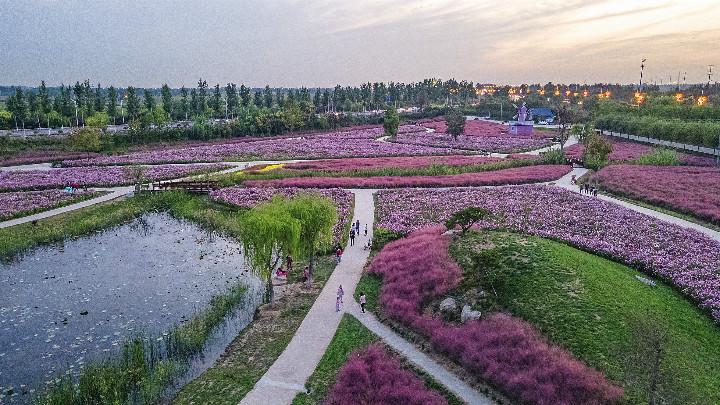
448,305
468,314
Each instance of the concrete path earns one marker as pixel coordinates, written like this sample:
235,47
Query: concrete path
566,183
114,193
287,376
439,373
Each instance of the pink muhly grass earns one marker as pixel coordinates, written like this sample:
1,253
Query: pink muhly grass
504,351
373,377
695,190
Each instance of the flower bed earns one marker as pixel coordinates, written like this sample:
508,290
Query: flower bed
33,156
351,164
95,176
693,190
16,204
504,351
250,197
330,145
372,376
684,258
499,144
472,127
623,151
517,175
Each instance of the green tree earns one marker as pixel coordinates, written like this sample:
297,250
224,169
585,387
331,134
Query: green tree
85,139
596,151
466,218
581,131
268,97
112,102
166,97
317,216
391,122
149,100
269,233
133,103
17,105
98,120
455,121
99,99
184,104
217,103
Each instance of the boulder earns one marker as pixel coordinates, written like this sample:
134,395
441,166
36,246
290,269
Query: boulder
448,305
468,314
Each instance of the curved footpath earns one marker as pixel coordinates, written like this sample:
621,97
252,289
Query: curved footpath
566,183
287,376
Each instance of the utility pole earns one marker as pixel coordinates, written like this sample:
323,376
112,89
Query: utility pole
642,68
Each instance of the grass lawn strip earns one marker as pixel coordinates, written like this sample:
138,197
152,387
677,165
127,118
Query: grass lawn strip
588,305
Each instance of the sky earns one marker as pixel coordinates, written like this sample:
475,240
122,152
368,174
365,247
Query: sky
320,43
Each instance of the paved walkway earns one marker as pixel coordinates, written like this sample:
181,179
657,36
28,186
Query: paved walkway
566,183
114,193
287,376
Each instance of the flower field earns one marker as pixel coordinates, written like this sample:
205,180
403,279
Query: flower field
623,151
353,143
405,162
250,197
32,156
26,202
502,350
373,376
95,176
684,258
693,190
517,175
499,144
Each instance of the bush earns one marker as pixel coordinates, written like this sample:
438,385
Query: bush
391,121
660,157
596,151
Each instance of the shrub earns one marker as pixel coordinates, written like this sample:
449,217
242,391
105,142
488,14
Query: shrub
660,157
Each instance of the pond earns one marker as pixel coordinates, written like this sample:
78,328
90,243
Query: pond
67,304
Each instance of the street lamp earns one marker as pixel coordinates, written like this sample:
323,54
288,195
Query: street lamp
77,123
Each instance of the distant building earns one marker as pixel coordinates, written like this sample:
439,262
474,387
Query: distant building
543,114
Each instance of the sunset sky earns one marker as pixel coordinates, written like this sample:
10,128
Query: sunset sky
324,42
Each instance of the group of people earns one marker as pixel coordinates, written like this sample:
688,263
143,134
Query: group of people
339,299
282,272
355,231
588,189
585,188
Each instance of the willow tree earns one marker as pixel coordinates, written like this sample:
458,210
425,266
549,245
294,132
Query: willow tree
269,232
317,216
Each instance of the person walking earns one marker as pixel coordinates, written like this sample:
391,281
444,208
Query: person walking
337,304
352,237
365,229
362,301
357,227
338,254
341,293
594,191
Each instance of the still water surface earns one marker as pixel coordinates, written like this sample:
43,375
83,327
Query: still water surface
64,305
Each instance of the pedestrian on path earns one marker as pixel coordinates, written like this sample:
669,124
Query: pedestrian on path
365,229
352,237
594,191
338,254
337,304
357,227
341,293
362,301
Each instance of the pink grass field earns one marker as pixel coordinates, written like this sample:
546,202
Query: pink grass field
373,377
502,350
623,151
517,175
344,165
692,190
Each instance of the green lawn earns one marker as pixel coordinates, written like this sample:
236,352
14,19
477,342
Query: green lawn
594,308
